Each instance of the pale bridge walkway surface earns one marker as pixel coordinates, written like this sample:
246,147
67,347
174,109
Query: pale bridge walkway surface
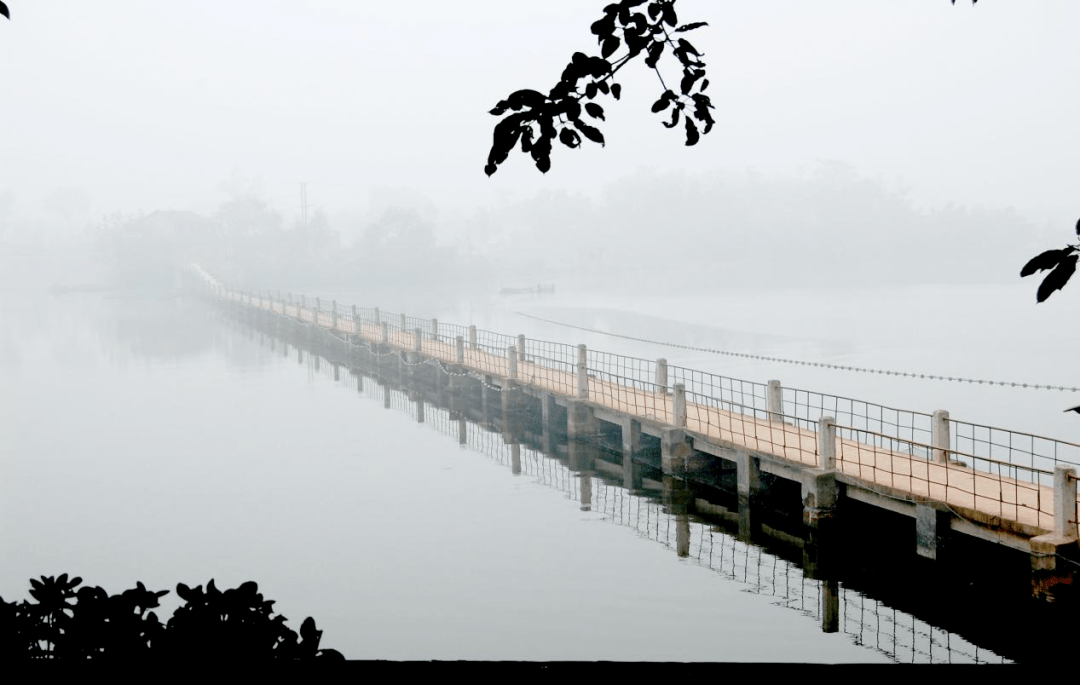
1019,483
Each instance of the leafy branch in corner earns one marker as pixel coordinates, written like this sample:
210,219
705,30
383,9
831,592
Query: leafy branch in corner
4,10
632,27
1061,264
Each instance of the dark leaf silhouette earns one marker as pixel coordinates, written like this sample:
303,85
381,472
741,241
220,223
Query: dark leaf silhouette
4,10
692,135
1057,278
1046,260
90,623
632,27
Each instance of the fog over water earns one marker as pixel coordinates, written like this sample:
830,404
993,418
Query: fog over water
877,177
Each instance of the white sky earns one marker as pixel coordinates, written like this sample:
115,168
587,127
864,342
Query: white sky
153,105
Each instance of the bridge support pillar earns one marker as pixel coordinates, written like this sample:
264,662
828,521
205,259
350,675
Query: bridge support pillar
675,450
511,397
515,459
1053,555
820,494
748,487
931,529
580,420
547,422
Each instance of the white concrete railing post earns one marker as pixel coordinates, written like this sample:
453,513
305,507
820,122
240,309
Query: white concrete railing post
512,362
661,375
333,314
679,406
303,306
385,333
521,347
1065,501
355,319
459,343
774,401
418,340
940,437
378,318
472,337
435,330
403,324
826,443
582,372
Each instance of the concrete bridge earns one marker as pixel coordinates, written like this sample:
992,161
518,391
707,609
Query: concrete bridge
951,477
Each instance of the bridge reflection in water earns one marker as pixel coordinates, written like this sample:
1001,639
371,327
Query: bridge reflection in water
759,546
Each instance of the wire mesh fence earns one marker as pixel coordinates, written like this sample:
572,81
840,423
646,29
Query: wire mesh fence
877,419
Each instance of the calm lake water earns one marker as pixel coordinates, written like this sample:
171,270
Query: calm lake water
154,439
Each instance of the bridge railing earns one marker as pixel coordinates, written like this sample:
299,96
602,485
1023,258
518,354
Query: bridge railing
1012,491
878,419
752,426
1012,447
549,364
741,394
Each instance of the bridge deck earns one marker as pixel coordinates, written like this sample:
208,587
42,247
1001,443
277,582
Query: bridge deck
992,494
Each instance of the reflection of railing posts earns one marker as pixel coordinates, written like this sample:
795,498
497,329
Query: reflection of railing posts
472,337
939,436
459,345
773,395
435,330
512,362
661,375
582,372
679,411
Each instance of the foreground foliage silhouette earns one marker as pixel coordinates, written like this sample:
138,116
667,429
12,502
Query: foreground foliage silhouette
89,623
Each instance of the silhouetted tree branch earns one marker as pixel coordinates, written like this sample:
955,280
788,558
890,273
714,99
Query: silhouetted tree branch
638,26
1061,264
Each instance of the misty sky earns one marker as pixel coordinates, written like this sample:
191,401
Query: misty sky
151,105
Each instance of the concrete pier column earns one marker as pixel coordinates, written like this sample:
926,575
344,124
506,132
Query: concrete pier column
748,486
547,423
631,437
462,432
931,529
1050,553
418,342
459,349
679,406
582,372
435,330
674,451
661,375
774,401
580,420
521,347
515,459
512,362
940,436
333,314
472,337
631,473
